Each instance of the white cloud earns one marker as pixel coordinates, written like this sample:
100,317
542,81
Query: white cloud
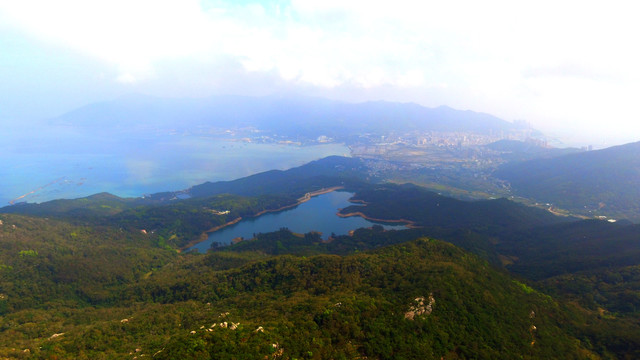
332,42
544,61
132,35
126,78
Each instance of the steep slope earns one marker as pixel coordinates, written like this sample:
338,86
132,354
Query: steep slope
46,262
421,299
548,251
603,181
595,263
327,172
83,292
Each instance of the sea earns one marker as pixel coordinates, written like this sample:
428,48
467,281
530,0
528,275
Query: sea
49,165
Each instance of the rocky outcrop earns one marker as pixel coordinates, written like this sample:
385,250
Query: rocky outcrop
419,307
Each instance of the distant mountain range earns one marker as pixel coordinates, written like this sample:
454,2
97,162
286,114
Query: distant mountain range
302,116
603,181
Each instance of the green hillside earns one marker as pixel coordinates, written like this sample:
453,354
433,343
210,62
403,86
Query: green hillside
602,182
102,278
428,209
182,217
124,296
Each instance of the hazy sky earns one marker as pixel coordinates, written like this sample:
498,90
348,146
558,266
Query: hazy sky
567,67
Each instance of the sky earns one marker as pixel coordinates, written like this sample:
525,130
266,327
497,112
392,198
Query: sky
569,68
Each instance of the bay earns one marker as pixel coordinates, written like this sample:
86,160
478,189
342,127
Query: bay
48,168
317,214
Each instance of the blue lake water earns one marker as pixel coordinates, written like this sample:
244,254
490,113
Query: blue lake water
66,166
317,214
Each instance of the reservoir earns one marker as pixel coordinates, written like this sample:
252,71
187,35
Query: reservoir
317,214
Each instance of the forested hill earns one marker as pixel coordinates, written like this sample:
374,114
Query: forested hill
77,292
326,172
588,245
102,278
602,181
182,217
181,221
515,150
293,183
426,208
422,299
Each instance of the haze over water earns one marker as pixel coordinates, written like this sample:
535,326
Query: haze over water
54,169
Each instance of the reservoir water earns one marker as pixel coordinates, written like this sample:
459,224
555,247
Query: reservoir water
317,214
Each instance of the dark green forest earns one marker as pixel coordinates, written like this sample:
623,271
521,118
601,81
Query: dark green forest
105,278
108,301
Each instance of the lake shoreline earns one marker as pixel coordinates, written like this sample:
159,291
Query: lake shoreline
193,243
299,201
408,223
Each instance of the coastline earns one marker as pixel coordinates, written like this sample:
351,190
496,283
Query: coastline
12,202
410,224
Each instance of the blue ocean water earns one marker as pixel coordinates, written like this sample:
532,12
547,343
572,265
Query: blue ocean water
46,166
317,214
